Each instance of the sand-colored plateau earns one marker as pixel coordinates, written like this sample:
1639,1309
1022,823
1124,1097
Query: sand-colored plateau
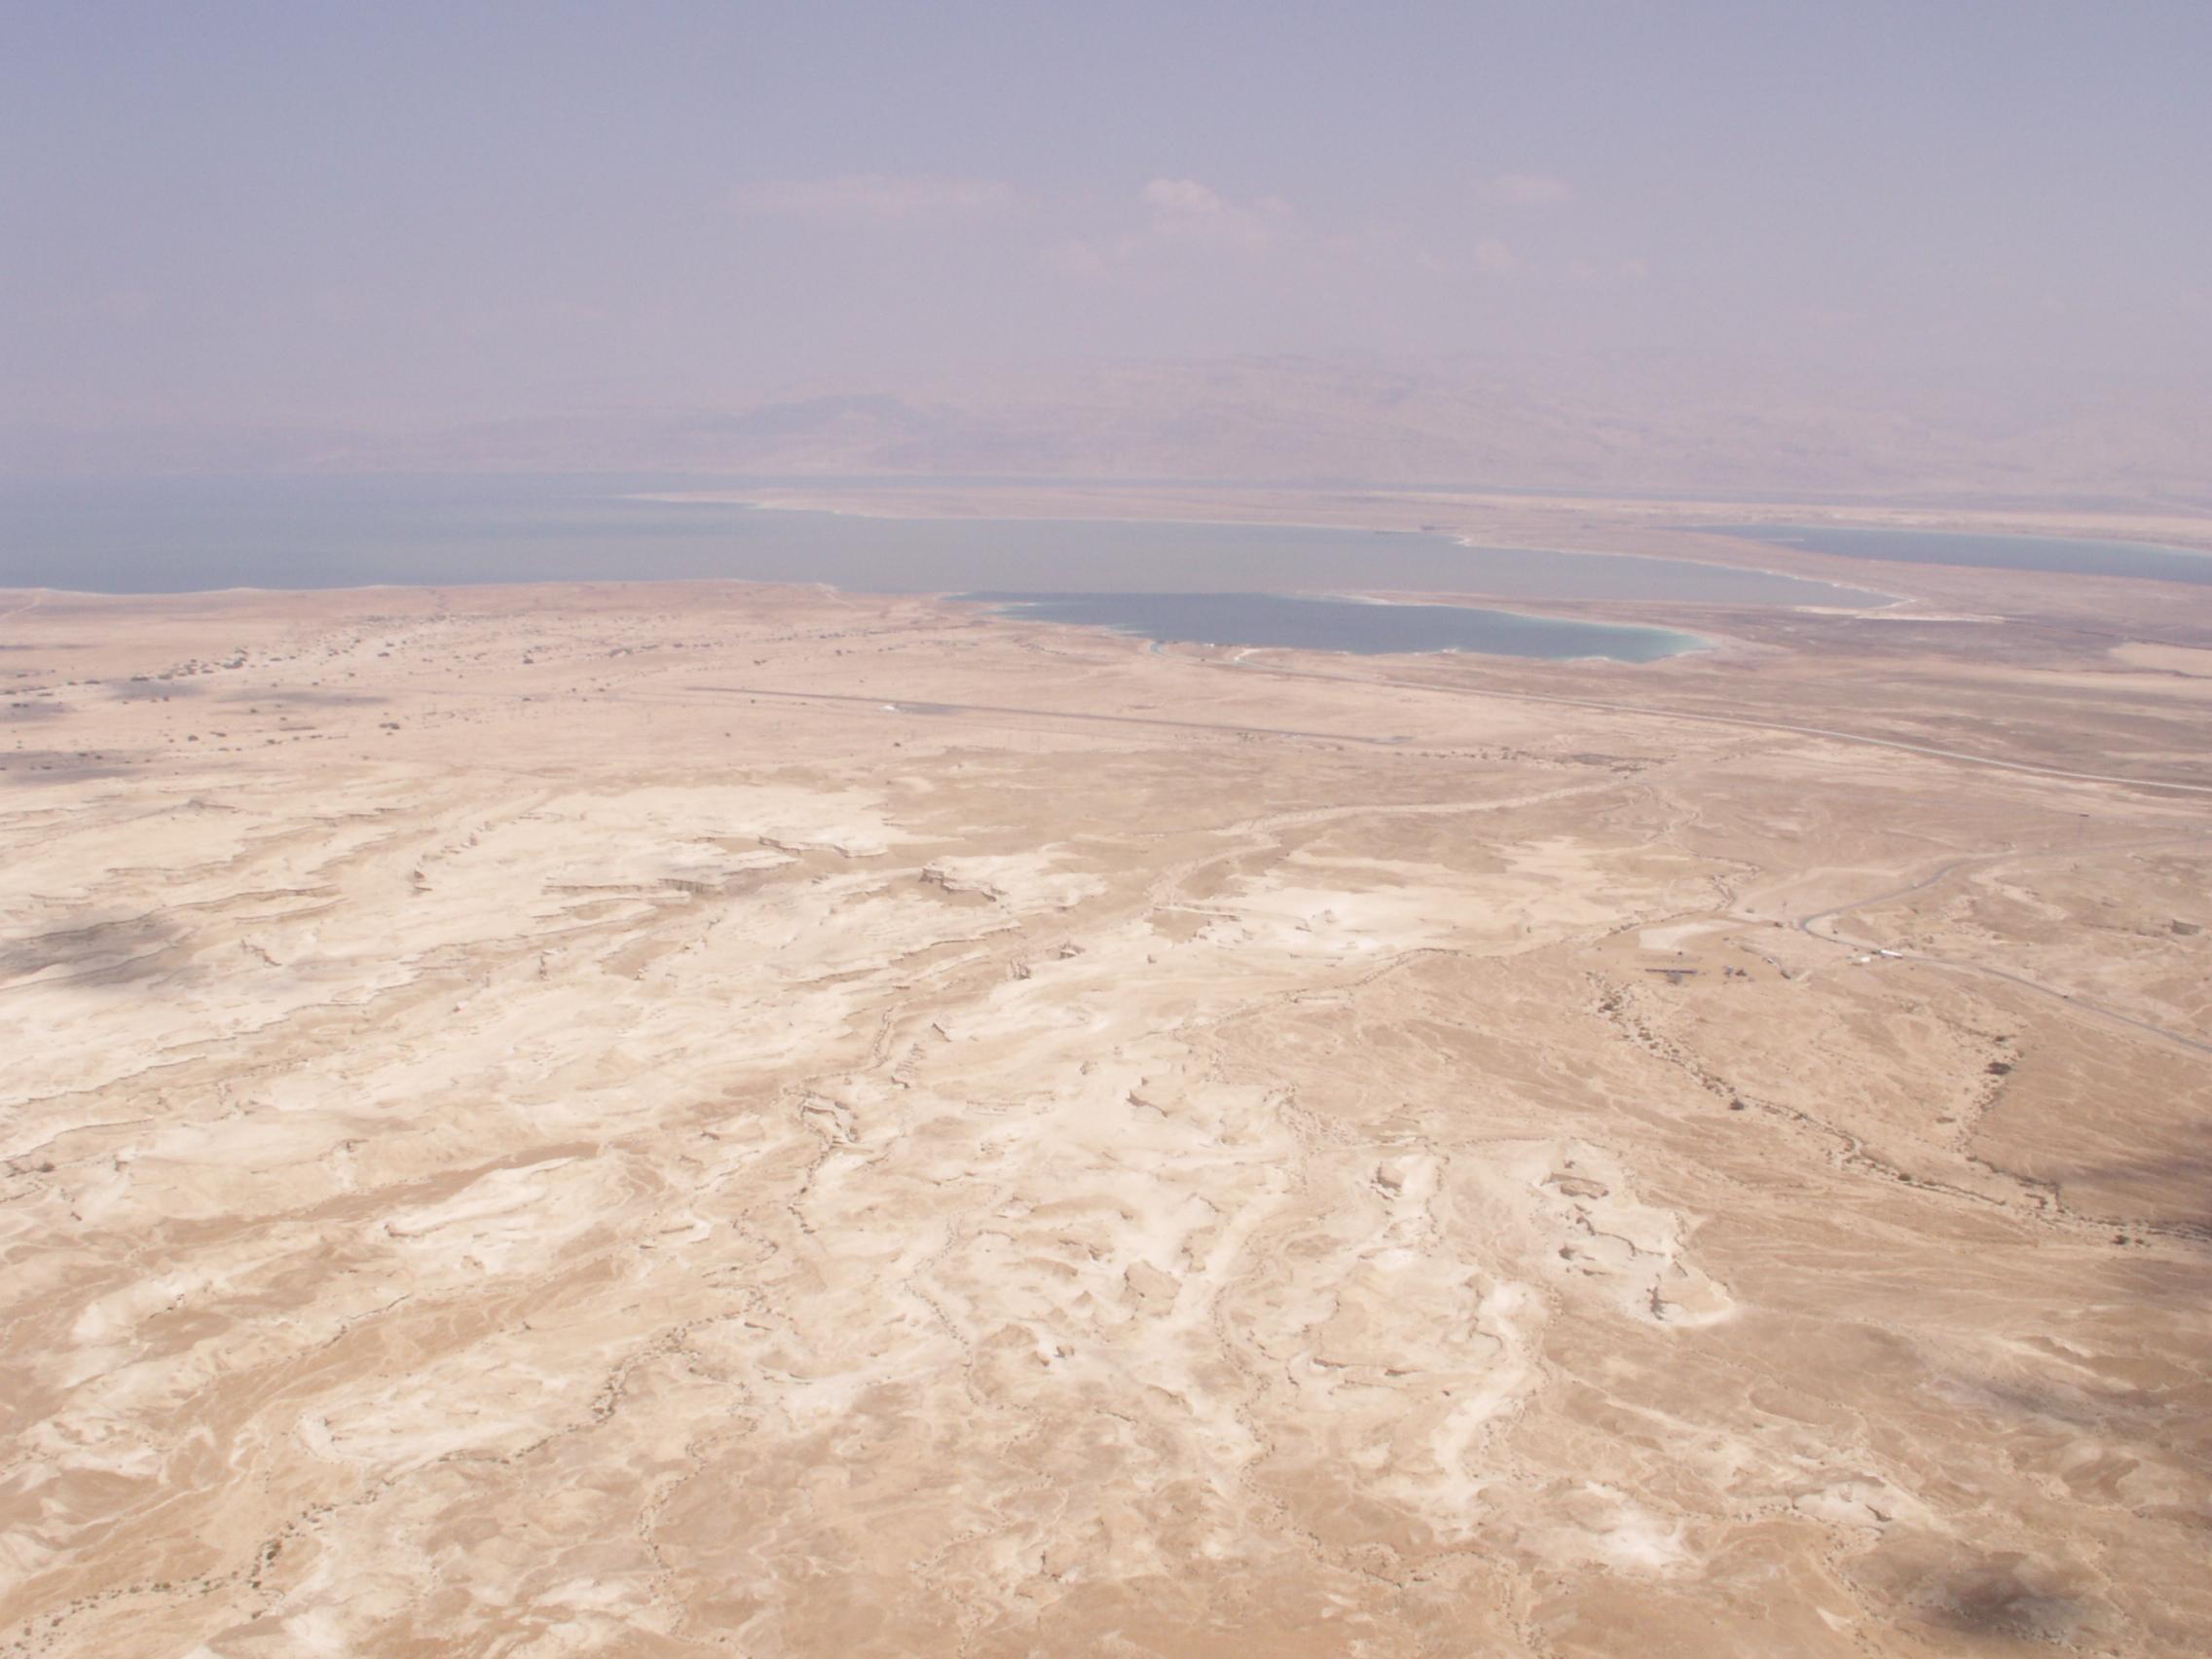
683,1119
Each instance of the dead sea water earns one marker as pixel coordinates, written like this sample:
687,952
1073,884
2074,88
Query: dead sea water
189,534
2059,555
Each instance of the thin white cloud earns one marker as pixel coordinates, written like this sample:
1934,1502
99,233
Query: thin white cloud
1180,215
1182,198
1527,190
1495,257
1182,209
874,198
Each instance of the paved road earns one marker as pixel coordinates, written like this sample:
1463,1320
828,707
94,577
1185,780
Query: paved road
907,706
1810,925
1657,711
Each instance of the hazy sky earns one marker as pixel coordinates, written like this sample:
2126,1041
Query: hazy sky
221,213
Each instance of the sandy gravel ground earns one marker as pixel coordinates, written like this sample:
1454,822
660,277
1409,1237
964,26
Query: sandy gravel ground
713,1120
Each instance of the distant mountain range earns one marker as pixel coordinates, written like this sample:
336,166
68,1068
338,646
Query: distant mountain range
1647,425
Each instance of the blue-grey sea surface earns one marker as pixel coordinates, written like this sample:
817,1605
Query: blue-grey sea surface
2052,553
188,534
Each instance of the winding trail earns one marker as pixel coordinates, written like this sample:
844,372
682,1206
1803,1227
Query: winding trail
1808,925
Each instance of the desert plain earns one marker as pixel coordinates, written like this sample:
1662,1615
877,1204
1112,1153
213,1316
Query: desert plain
700,1119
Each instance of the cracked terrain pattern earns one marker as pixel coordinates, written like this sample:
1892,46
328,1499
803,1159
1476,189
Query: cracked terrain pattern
516,1144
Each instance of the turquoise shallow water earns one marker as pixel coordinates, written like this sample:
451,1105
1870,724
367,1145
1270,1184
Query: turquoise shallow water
1315,622
2056,554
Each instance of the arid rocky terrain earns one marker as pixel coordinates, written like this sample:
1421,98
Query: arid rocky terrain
703,1118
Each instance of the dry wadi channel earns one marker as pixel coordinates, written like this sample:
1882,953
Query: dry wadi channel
663,1121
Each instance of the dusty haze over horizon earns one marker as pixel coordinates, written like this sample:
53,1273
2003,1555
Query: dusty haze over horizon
1700,245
